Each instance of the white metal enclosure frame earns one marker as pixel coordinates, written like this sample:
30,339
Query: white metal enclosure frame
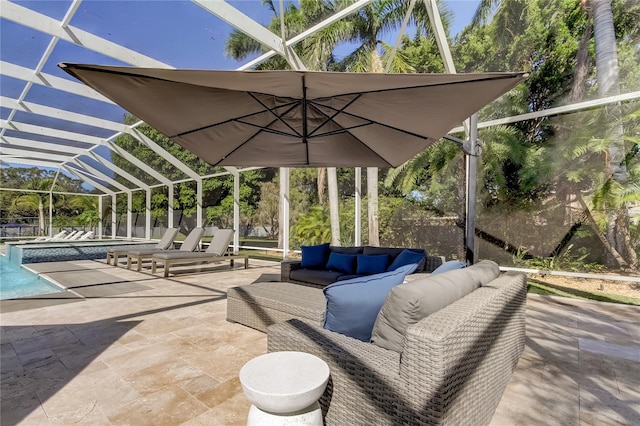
75,151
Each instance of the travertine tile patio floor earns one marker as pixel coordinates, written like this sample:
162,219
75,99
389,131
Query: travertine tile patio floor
137,349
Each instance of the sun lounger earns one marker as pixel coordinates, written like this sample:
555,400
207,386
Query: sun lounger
189,244
86,236
164,244
57,236
216,252
72,235
76,236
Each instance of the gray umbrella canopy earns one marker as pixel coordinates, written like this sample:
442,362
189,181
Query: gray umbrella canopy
297,118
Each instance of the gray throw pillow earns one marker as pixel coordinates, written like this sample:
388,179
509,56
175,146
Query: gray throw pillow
410,302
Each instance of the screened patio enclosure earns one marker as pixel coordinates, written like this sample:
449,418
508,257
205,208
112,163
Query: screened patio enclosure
51,121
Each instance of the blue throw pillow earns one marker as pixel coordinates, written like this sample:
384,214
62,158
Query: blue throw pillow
353,305
406,257
372,264
345,263
449,266
315,257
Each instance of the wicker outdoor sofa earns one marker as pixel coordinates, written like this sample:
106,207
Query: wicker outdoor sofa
452,369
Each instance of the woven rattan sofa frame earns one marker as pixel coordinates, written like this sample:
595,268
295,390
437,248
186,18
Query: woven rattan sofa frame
454,368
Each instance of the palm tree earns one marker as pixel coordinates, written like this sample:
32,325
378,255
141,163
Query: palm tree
87,208
36,201
600,24
371,54
364,29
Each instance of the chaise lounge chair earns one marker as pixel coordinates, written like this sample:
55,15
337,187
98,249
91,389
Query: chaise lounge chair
77,236
165,242
86,236
188,245
60,235
216,252
71,235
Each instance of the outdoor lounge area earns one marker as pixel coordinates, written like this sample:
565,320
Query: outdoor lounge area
356,213
134,348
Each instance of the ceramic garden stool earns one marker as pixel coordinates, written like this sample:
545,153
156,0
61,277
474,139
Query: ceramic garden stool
284,388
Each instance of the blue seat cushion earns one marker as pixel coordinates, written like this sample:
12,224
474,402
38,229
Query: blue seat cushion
353,305
315,276
407,257
315,257
371,264
344,263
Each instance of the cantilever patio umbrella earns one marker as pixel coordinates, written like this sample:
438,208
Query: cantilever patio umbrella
297,118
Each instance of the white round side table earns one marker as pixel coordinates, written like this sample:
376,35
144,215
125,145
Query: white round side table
284,388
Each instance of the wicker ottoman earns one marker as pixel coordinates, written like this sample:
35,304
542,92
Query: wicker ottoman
260,305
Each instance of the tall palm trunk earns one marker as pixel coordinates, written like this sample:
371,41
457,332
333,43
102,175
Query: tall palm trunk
608,81
332,184
322,177
608,84
372,206
372,175
41,226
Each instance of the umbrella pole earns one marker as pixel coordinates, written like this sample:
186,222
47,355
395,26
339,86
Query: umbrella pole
471,153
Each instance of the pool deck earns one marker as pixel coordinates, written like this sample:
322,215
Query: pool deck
133,348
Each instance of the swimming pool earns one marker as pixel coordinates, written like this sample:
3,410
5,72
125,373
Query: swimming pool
16,281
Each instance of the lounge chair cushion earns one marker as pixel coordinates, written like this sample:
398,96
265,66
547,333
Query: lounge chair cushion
178,254
410,302
344,263
353,305
315,257
143,252
371,264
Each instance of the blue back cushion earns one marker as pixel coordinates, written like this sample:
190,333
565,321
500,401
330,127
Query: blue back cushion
315,257
353,305
449,266
371,264
345,263
406,257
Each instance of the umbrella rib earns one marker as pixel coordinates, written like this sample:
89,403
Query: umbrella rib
278,117
268,130
209,126
262,129
330,118
346,130
419,86
319,106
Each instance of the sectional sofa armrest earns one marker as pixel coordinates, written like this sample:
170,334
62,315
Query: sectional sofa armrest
364,384
286,266
432,262
473,346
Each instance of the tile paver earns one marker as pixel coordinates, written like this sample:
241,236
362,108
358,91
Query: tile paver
160,352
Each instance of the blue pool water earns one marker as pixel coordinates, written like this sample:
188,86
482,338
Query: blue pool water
16,281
